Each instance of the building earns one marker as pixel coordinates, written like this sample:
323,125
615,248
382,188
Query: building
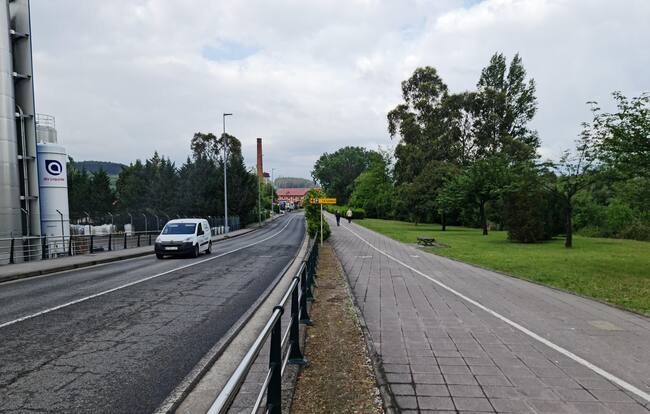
20,213
292,195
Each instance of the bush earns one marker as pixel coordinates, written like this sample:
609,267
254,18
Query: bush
530,212
312,215
636,231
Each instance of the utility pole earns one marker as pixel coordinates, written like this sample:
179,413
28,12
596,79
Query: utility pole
225,174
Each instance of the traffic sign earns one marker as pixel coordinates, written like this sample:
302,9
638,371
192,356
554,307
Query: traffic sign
322,200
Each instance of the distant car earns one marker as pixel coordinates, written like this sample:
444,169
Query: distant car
184,237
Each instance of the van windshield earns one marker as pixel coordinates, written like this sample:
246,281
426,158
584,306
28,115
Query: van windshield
179,228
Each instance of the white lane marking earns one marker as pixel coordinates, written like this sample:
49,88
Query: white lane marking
621,383
135,282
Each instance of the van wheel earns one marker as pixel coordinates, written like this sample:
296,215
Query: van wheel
196,251
209,248
160,255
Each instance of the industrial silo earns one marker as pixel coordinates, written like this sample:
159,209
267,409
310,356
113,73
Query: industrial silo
53,185
19,198
10,212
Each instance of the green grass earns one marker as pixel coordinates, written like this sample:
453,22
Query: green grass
612,270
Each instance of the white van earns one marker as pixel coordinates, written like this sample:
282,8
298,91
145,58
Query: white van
184,237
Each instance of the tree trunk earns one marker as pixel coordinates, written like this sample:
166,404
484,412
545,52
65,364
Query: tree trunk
568,240
443,220
483,218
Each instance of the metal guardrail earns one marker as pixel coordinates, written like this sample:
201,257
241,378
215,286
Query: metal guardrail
284,347
25,249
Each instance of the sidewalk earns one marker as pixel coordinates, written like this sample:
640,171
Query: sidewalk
455,338
41,267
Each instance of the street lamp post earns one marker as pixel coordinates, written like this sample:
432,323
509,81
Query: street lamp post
157,222
145,222
131,221
225,174
62,231
111,214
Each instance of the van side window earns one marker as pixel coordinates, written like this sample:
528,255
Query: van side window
199,231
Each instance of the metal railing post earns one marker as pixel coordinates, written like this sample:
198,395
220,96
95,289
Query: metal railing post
110,242
274,392
138,239
11,251
70,246
125,236
92,243
43,247
304,313
149,239
295,355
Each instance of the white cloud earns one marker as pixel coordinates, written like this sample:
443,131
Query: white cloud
125,78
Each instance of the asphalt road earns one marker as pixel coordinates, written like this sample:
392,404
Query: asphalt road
102,339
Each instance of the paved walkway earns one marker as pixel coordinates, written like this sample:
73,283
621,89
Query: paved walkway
456,338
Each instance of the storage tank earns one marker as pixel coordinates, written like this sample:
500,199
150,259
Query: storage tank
10,213
53,188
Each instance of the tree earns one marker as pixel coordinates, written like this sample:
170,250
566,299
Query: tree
419,122
574,173
624,136
101,197
336,172
79,189
505,104
481,183
373,189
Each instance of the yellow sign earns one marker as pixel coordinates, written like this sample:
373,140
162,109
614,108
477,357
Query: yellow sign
322,200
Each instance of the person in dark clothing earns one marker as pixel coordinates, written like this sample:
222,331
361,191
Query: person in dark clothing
338,217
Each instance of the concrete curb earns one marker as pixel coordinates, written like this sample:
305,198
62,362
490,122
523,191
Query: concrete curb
387,396
179,398
93,262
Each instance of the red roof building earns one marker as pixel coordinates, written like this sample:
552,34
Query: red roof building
292,195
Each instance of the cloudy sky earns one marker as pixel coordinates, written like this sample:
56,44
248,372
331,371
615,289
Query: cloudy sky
126,77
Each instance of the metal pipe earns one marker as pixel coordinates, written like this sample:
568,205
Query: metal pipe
63,232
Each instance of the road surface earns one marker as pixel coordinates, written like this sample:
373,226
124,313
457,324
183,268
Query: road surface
117,338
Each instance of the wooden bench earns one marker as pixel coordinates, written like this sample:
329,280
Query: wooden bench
426,241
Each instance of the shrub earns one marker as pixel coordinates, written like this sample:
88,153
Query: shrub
636,231
312,215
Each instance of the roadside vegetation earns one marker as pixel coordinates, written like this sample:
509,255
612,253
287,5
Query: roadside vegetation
158,187
471,159
615,271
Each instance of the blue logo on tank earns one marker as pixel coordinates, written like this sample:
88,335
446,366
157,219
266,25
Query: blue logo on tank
53,167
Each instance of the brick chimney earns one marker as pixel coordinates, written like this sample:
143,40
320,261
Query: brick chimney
260,166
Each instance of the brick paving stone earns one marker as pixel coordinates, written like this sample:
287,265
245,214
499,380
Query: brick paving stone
404,402
431,390
506,405
466,391
436,403
436,344
473,404
402,389
428,378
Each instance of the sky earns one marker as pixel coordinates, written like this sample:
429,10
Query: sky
125,78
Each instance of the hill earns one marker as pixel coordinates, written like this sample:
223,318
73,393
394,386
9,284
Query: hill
293,182
111,168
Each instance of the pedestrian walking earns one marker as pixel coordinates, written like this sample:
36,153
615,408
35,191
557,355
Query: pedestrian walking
338,217
349,215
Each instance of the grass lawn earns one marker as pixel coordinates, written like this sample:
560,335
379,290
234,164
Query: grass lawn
616,271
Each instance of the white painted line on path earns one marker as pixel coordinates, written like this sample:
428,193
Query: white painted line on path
621,383
135,282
